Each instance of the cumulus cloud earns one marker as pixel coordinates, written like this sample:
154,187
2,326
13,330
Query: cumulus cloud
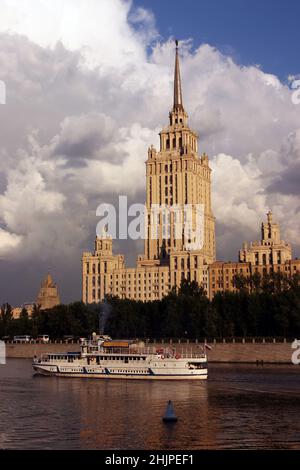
8,242
84,102
100,30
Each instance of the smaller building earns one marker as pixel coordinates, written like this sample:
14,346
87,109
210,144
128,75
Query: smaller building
269,255
29,307
48,296
221,276
270,250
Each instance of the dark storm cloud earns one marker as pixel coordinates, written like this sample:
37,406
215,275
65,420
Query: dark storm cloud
84,135
288,182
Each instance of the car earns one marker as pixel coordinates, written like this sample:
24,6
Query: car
43,339
22,339
6,339
68,338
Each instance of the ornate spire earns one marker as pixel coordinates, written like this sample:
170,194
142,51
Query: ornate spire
269,216
48,281
178,104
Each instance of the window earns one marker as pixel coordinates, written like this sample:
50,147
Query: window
150,190
186,188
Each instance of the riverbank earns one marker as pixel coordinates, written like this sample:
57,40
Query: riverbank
223,352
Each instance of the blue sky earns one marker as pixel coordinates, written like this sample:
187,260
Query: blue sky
264,32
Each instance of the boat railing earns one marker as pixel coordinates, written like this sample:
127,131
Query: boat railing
178,353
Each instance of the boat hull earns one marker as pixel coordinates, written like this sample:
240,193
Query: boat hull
40,370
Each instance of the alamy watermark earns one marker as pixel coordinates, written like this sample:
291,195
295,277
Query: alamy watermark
179,221
296,353
2,92
2,353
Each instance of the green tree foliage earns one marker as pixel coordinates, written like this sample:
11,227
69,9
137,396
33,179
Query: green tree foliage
266,305
6,320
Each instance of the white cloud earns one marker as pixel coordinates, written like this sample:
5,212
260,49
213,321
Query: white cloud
99,29
85,110
8,242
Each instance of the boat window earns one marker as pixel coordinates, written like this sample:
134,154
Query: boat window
197,365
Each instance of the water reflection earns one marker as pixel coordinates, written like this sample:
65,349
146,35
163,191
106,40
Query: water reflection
238,407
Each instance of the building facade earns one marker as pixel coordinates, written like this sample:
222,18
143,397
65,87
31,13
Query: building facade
268,255
177,177
270,250
29,307
48,296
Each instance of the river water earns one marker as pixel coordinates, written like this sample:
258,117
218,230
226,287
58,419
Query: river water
238,407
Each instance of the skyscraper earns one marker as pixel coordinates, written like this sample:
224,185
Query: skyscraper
177,179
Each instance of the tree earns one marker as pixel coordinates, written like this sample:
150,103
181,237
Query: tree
24,324
240,282
6,320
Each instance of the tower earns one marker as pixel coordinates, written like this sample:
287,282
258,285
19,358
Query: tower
48,296
268,251
177,178
178,188
270,231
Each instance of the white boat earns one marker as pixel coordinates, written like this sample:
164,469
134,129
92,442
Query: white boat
121,360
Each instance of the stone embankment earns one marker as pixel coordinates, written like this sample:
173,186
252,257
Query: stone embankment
230,351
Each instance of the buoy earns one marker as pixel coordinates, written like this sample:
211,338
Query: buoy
169,416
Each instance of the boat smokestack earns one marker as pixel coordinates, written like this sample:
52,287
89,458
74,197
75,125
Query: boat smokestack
104,313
